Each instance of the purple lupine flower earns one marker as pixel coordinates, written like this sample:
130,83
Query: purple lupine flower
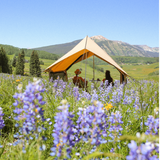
152,125
59,87
85,95
91,124
28,109
136,103
92,86
101,84
101,90
1,119
112,150
106,83
144,151
107,93
69,87
117,95
94,96
63,132
76,93
129,96
116,83
125,100
115,124
133,150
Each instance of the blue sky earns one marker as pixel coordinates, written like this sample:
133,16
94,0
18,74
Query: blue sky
37,23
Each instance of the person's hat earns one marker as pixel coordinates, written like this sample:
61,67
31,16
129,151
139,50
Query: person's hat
77,71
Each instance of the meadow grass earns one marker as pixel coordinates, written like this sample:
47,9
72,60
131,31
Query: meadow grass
138,72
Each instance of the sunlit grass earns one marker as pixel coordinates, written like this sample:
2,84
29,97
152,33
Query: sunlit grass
138,72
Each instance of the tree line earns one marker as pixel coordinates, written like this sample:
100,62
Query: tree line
126,60
19,63
10,50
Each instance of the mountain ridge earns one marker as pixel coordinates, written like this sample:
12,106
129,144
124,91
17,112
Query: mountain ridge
113,48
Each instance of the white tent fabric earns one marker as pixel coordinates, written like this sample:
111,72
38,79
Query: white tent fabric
84,49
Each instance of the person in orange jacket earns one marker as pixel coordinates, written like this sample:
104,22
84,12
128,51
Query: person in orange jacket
79,81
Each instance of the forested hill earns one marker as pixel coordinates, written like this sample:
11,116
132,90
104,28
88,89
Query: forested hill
10,50
113,48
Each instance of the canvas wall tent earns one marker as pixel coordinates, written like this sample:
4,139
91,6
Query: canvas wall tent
84,49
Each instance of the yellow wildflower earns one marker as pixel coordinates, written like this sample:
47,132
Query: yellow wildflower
17,80
58,145
108,106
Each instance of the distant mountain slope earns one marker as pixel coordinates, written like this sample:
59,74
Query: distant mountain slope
113,48
59,48
152,52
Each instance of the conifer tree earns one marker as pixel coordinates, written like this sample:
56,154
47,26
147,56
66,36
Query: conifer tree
35,69
32,65
14,61
0,61
4,61
23,61
10,67
20,63
38,68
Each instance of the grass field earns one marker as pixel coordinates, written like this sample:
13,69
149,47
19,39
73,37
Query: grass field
138,72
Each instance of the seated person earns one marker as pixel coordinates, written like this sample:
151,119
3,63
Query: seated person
108,77
79,81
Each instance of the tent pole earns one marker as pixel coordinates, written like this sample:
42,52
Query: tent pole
86,60
85,69
93,69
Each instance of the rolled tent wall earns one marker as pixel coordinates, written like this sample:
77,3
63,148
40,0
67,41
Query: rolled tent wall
78,53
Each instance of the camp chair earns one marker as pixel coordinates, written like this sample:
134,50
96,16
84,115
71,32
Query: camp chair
62,75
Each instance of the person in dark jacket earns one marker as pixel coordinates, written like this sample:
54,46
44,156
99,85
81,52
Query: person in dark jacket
108,77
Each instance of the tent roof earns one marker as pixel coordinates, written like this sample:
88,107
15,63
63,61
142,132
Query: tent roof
84,49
